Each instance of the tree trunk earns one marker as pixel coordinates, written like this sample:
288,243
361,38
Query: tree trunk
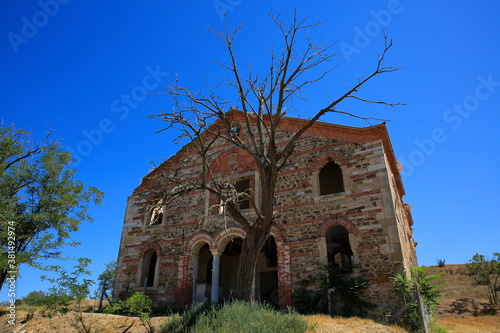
256,237
245,284
3,276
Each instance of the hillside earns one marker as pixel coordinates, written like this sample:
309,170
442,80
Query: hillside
462,306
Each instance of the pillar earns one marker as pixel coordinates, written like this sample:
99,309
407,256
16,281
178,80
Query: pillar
215,276
194,262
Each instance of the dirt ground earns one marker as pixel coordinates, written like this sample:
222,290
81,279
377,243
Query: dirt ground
462,307
103,323
461,310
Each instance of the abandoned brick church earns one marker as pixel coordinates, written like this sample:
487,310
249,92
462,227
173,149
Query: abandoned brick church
339,200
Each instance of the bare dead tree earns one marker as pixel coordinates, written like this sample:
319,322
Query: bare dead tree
204,118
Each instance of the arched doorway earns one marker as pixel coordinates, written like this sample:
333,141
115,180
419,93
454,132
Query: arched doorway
149,269
229,262
203,288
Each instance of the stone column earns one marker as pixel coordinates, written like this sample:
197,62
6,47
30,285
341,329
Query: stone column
194,261
215,275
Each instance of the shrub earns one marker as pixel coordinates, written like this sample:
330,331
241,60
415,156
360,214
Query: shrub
310,296
430,291
138,304
440,262
487,272
34,298
235,317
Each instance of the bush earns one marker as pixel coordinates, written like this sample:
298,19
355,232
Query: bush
138,304
34,298
430,291
440,262
235,317
487,272
310,296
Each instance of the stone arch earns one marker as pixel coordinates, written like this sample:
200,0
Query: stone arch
331,156
277,234
224,237
337,220
197,242
352,234
152,246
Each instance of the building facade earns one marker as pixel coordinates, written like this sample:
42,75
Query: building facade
339,201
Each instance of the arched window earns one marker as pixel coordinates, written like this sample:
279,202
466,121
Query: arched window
338,247
330,179
148,271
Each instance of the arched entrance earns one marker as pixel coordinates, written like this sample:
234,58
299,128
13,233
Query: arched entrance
203,282
229,262
149,269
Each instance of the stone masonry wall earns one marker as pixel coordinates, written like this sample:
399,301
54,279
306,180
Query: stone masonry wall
370,208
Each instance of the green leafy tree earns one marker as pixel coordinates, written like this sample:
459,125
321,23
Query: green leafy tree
107,278
106,282
487,272
41,203
74,288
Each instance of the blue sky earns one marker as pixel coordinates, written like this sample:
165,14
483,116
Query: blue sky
89,71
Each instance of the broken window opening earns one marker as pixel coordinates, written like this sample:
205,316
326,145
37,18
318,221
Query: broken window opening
339,250
155,214
243,186
330,179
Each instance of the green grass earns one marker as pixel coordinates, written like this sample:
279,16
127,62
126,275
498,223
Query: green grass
236,317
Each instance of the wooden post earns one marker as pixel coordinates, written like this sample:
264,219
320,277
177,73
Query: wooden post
424,317
331,301
421,309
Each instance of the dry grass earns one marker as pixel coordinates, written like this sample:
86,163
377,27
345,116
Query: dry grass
456,314
324,324
100,322
470,324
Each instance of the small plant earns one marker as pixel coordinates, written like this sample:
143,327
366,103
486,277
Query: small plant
440,262
139,305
